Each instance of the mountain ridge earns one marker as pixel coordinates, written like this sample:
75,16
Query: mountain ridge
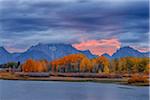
43,51
127,51
54,51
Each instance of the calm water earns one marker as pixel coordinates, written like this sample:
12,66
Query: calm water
46,90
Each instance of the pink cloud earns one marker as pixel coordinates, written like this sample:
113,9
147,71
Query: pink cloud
99,47
12,50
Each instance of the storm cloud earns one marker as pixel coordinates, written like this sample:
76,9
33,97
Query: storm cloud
27,22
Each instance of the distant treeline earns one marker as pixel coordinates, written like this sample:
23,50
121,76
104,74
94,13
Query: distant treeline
80,63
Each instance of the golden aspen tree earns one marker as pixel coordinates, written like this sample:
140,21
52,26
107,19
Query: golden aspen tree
39,67
86,65
104,63
28,66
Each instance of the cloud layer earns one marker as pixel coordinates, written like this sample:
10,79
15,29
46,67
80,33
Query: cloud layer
27,22
99,47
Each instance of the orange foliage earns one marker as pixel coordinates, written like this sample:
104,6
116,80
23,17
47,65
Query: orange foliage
34,66
147,71
63,62
80,62
104,62
138,79
86,65
28,66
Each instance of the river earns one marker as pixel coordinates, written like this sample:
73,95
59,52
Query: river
49,90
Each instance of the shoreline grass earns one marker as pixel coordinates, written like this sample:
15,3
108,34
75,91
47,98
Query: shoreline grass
121,81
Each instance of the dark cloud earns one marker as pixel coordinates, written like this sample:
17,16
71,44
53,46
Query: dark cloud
48,21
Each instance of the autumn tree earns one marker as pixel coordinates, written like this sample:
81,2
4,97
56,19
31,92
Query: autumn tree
29,66
129,65
103,63
70,63
147,71
95,65
34,66
143,63
122,65
86,65
44,64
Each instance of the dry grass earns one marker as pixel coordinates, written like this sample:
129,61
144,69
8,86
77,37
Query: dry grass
138,79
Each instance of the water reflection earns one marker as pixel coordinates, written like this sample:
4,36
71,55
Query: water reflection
46,90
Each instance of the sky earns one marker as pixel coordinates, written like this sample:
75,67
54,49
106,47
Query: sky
102,26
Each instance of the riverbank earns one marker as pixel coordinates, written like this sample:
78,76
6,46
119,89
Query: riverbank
68,78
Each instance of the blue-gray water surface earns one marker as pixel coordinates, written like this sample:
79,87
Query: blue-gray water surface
49,90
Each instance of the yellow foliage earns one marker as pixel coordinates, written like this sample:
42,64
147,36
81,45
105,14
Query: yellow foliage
138,79
86,65
64,61
104,62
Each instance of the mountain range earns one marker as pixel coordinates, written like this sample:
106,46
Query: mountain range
54,51
127,52
42,51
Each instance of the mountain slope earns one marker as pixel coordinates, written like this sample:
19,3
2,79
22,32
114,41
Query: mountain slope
37,55
128,52
54,51
146,54
5,56
42,51
107,55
